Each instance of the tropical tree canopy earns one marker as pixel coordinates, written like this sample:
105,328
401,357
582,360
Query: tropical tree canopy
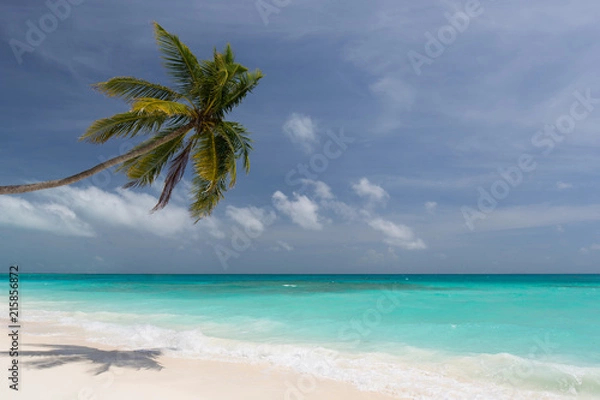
185,123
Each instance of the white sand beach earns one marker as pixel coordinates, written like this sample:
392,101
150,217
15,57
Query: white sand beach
66,366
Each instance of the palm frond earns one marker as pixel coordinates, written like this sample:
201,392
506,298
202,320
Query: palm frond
243,86
208,189
180,62
228,54
216,77
238,135
148,105
206,90
126,124
130,88
206,163
176,171
232,155
225,83
144,170
206,197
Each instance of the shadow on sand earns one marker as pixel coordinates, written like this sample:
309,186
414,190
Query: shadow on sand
102,360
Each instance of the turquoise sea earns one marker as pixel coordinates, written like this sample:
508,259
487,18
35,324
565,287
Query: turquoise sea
420,336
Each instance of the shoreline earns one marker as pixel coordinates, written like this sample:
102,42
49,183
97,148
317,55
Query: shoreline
65,362
67,366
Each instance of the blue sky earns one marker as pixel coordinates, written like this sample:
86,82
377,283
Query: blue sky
390,137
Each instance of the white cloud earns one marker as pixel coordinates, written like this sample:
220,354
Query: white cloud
430,206
327,200
322,190
48,217
179,195
301,210
397,235
123,209
342,209
301,130
563,185
211,225
251,218
364,188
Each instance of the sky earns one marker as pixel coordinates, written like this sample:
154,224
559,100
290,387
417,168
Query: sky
390,137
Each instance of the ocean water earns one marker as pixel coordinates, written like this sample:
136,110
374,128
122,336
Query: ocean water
418,336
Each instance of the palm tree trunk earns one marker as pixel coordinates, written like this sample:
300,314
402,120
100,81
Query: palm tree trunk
14,189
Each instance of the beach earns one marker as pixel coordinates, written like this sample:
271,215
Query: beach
66,366
304,337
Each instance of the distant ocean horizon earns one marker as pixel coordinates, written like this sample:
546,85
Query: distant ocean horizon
451,336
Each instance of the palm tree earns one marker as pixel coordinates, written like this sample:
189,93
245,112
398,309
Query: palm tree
186,123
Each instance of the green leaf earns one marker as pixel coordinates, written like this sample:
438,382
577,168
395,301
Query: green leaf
206,163
143,170
214,165
127,124
165,107
238,136
244,85
130,88
206,197
232,150
180,62
176,170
